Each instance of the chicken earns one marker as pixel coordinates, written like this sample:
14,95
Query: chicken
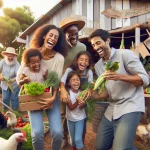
12,142
142,132
12,120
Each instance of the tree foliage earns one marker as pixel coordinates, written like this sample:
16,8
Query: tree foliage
13,22
22,15
9,28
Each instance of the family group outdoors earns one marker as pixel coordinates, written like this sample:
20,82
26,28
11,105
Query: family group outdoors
58,49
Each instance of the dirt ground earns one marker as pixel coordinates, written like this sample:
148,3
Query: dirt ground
90,141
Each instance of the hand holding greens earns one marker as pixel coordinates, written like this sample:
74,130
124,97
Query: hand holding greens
101,81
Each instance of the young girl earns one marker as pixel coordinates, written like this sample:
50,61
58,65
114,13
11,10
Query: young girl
75,112
81,64
33,72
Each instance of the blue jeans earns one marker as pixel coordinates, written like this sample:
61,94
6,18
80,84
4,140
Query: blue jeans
76,132
118,134
7,95
55,124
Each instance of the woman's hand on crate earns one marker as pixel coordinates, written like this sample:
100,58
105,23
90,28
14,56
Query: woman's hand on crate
46,103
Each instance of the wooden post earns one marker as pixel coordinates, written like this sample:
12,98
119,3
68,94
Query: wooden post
137,38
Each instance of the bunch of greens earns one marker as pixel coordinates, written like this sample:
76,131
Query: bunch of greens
90,107
52,80
34,88
101,81
8,82
6,133
27,145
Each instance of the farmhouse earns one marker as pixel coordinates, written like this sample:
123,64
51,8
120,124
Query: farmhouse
124,19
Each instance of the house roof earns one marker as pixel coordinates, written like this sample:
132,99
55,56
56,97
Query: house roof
43,18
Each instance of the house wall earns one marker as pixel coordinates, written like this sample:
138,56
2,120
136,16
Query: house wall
91,10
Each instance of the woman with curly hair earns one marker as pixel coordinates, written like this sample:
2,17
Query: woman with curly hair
51,42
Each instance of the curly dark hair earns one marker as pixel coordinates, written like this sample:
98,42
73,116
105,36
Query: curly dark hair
103,34
30,52
74,65
70,75
38,41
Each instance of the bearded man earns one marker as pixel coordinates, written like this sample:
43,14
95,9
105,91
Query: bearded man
9,67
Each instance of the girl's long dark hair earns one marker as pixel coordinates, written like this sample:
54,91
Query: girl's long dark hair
38,41
70,75
74,65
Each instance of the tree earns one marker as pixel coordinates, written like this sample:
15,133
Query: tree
13,22
1,3
23,15
9,28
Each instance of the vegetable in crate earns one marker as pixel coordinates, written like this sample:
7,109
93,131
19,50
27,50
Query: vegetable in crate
52,80
101,81
36,88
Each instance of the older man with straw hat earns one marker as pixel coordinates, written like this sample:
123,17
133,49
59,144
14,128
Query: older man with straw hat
71,27
9,67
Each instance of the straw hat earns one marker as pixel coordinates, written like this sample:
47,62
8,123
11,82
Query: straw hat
76,19
9,50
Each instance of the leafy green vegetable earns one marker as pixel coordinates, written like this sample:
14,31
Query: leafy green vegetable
90,107
27,145
6,133
101,81
8,82
148,90
34,88
52,80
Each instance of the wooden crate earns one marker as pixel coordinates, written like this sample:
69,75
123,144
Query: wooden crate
27,102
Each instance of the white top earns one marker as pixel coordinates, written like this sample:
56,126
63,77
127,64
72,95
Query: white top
54,64
76,114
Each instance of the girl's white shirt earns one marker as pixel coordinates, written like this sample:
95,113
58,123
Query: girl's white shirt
76,114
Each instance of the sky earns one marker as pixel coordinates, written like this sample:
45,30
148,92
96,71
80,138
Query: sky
38,7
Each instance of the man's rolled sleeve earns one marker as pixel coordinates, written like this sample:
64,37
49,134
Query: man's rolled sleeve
145,78
135,67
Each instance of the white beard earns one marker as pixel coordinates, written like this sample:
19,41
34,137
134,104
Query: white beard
10,62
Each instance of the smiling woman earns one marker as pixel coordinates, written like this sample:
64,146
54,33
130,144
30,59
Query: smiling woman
50,41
